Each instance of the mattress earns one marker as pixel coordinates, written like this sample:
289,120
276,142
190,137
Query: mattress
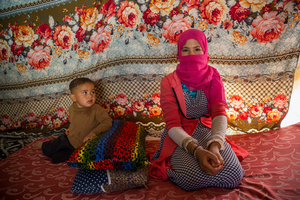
272,171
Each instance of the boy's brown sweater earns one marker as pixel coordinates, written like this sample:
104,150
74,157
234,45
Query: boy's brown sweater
85,120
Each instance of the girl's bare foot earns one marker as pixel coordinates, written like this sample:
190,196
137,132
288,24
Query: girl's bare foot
38,145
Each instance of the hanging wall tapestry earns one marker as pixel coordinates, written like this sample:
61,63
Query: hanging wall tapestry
127,47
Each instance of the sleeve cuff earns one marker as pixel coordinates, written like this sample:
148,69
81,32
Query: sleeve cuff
218,140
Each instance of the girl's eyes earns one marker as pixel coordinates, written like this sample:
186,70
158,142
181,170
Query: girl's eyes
92,92
186,50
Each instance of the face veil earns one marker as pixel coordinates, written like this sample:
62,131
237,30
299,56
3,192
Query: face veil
193,70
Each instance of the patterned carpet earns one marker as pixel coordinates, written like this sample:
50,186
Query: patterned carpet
11,145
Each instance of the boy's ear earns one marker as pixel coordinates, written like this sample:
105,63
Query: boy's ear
72,96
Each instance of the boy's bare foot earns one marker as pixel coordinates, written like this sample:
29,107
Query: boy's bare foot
38,145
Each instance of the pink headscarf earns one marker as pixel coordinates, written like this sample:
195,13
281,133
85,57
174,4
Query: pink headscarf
193,70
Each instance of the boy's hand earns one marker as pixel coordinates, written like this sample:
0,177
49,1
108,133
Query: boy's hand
67,132
89,137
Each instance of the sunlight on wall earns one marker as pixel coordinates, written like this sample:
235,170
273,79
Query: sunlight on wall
293,115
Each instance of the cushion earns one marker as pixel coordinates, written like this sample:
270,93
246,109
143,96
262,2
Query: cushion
135,98
89,181
127,179
256,105
122,147
96,181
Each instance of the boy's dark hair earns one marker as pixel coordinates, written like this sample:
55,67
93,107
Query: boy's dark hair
79,81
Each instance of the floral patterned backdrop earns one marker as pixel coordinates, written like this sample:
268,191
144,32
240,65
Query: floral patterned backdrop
45,44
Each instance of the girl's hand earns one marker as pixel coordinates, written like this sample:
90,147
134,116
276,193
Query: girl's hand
89,137
215,149
208,161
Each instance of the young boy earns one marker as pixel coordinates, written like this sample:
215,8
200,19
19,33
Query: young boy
87,120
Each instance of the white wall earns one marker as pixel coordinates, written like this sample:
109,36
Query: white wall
293,115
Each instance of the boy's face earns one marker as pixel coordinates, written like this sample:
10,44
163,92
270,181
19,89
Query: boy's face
84,95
